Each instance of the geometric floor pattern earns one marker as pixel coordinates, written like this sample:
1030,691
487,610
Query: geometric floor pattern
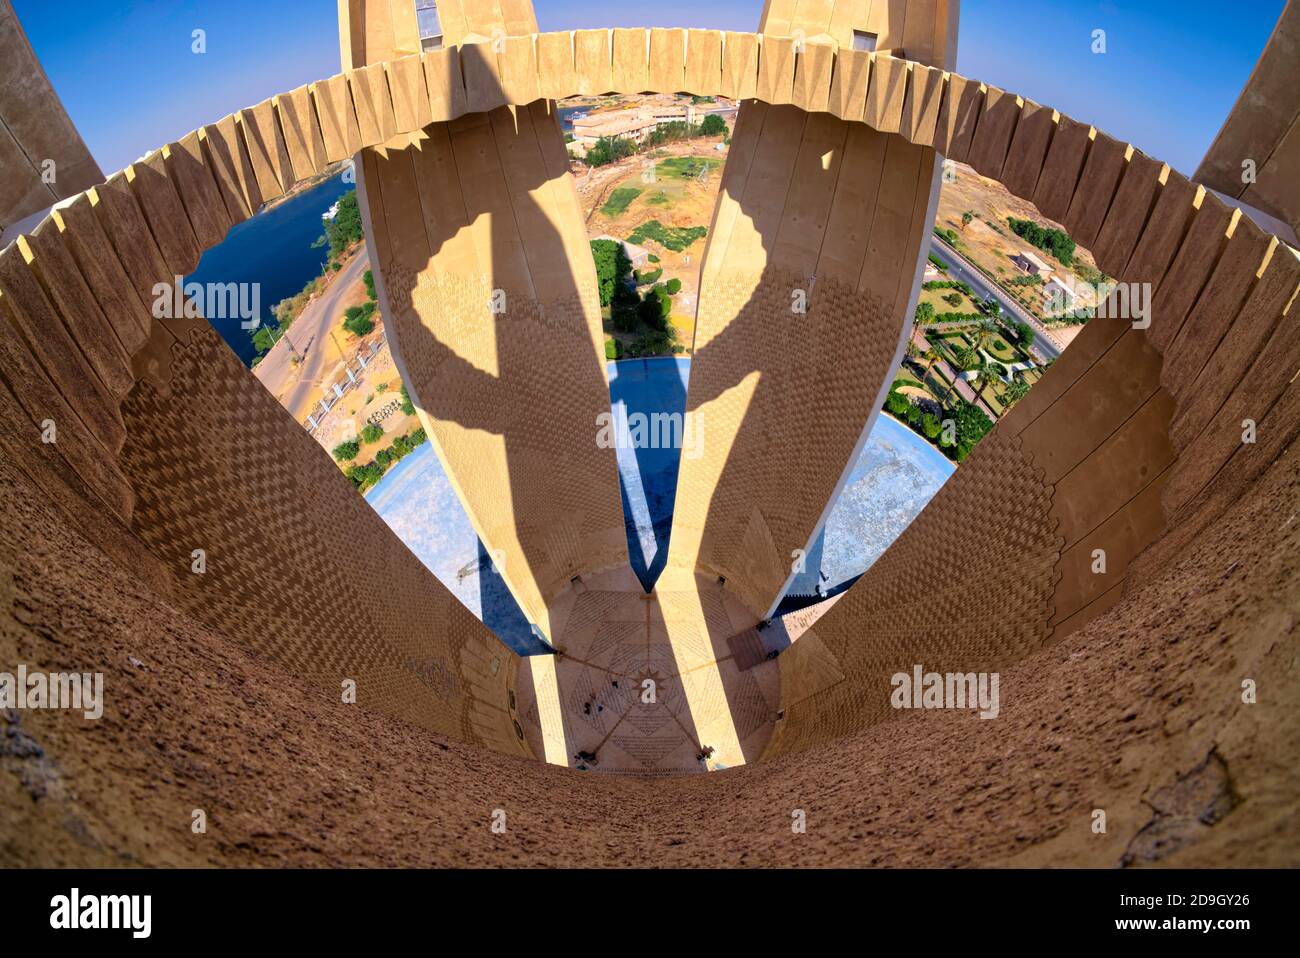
646,684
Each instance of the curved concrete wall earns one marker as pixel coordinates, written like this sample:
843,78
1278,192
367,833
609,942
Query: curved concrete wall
1256,156
807,290
1125,418
42,156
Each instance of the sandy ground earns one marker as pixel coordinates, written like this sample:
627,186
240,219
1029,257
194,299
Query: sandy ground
1139,713
984,245
673,202
377,396
318,338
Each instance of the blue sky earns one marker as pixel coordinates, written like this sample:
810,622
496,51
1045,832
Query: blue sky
126,73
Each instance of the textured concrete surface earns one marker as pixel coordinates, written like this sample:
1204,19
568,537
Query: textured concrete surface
1139,714
1122,690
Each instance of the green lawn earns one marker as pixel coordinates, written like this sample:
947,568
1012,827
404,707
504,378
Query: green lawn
620,200
1000,350
935,297
686,167
675,238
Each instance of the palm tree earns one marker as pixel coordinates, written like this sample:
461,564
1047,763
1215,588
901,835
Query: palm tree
929,357
1014,392
985,375
982,332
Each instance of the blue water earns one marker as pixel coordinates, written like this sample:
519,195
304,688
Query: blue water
647,478
893,478
418,502
274,249
566,116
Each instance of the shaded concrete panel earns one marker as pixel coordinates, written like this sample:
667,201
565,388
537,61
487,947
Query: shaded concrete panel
1261,136
42,156
511,398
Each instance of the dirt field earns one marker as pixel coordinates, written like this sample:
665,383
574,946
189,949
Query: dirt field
988,242
619,198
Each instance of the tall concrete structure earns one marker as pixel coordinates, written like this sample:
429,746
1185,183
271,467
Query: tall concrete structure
168,524
42,156
490,291
1256,156
808,285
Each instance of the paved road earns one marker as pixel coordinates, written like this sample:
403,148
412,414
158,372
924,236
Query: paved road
1045,347
295,387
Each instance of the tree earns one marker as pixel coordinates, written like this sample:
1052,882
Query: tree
986,374
372,433
655,308
674,286
1014,392
609,150
369,278
1054,241
713,125
612,268
966,217
345,228
971,423
1025,333
346,450
929,357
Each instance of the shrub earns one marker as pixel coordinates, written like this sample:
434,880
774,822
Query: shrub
613,349
358,320
408,407
947,284
931,426
347,450
938,263
648,276
914,414
897,404
372,433
674,286
953,299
